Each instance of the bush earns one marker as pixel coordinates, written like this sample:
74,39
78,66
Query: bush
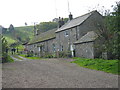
29,54
6,59
54,55
65,54
62,54
48,56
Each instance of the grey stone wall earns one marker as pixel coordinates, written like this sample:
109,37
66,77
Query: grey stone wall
85,50
46,49
90,24
30,47
65,40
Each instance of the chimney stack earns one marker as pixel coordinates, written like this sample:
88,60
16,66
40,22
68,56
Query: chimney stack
60,22
70,16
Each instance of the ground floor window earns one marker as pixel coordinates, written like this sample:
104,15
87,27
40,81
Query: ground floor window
41,48
54,48
61,47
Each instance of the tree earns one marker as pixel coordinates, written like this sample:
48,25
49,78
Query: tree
115,28
65,20
25,24
4,30
19,38
111,32
45,26
4,50
11,28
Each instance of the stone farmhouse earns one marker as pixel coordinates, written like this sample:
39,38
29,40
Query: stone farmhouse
78,37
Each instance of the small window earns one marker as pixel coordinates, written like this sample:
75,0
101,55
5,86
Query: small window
66,33
53,47
35,45
43,47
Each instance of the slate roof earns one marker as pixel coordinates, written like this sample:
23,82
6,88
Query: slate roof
90,36
75,22
43,36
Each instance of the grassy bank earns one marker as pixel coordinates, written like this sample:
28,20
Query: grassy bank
30,57
16,56
8,59
110,66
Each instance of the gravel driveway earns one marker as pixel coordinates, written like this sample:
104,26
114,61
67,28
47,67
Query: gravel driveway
54,73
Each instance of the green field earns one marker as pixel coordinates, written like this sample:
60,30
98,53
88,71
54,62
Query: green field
9,40
24,33
10,59
110,66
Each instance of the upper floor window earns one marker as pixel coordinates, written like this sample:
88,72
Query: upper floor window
35,45
66,33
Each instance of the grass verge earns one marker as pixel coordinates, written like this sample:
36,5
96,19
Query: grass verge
10,59
16,56
110,66
36,58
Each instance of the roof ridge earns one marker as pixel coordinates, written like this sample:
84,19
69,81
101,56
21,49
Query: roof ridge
86,14
44,36
89,36
75,21
47,31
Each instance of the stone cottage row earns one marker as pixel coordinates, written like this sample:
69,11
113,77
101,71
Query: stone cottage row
77,36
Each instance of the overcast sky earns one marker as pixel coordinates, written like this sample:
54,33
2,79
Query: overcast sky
17,12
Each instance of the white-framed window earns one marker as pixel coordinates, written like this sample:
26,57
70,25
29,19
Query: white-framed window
39,49
66,33
61,48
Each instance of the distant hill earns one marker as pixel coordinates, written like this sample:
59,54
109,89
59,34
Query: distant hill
22,34
25,32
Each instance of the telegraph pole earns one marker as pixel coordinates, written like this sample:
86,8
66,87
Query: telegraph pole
56,8
68,7
35,31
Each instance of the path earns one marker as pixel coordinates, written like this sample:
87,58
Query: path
54,73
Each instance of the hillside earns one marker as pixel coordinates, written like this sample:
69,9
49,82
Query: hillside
20,34
25,32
